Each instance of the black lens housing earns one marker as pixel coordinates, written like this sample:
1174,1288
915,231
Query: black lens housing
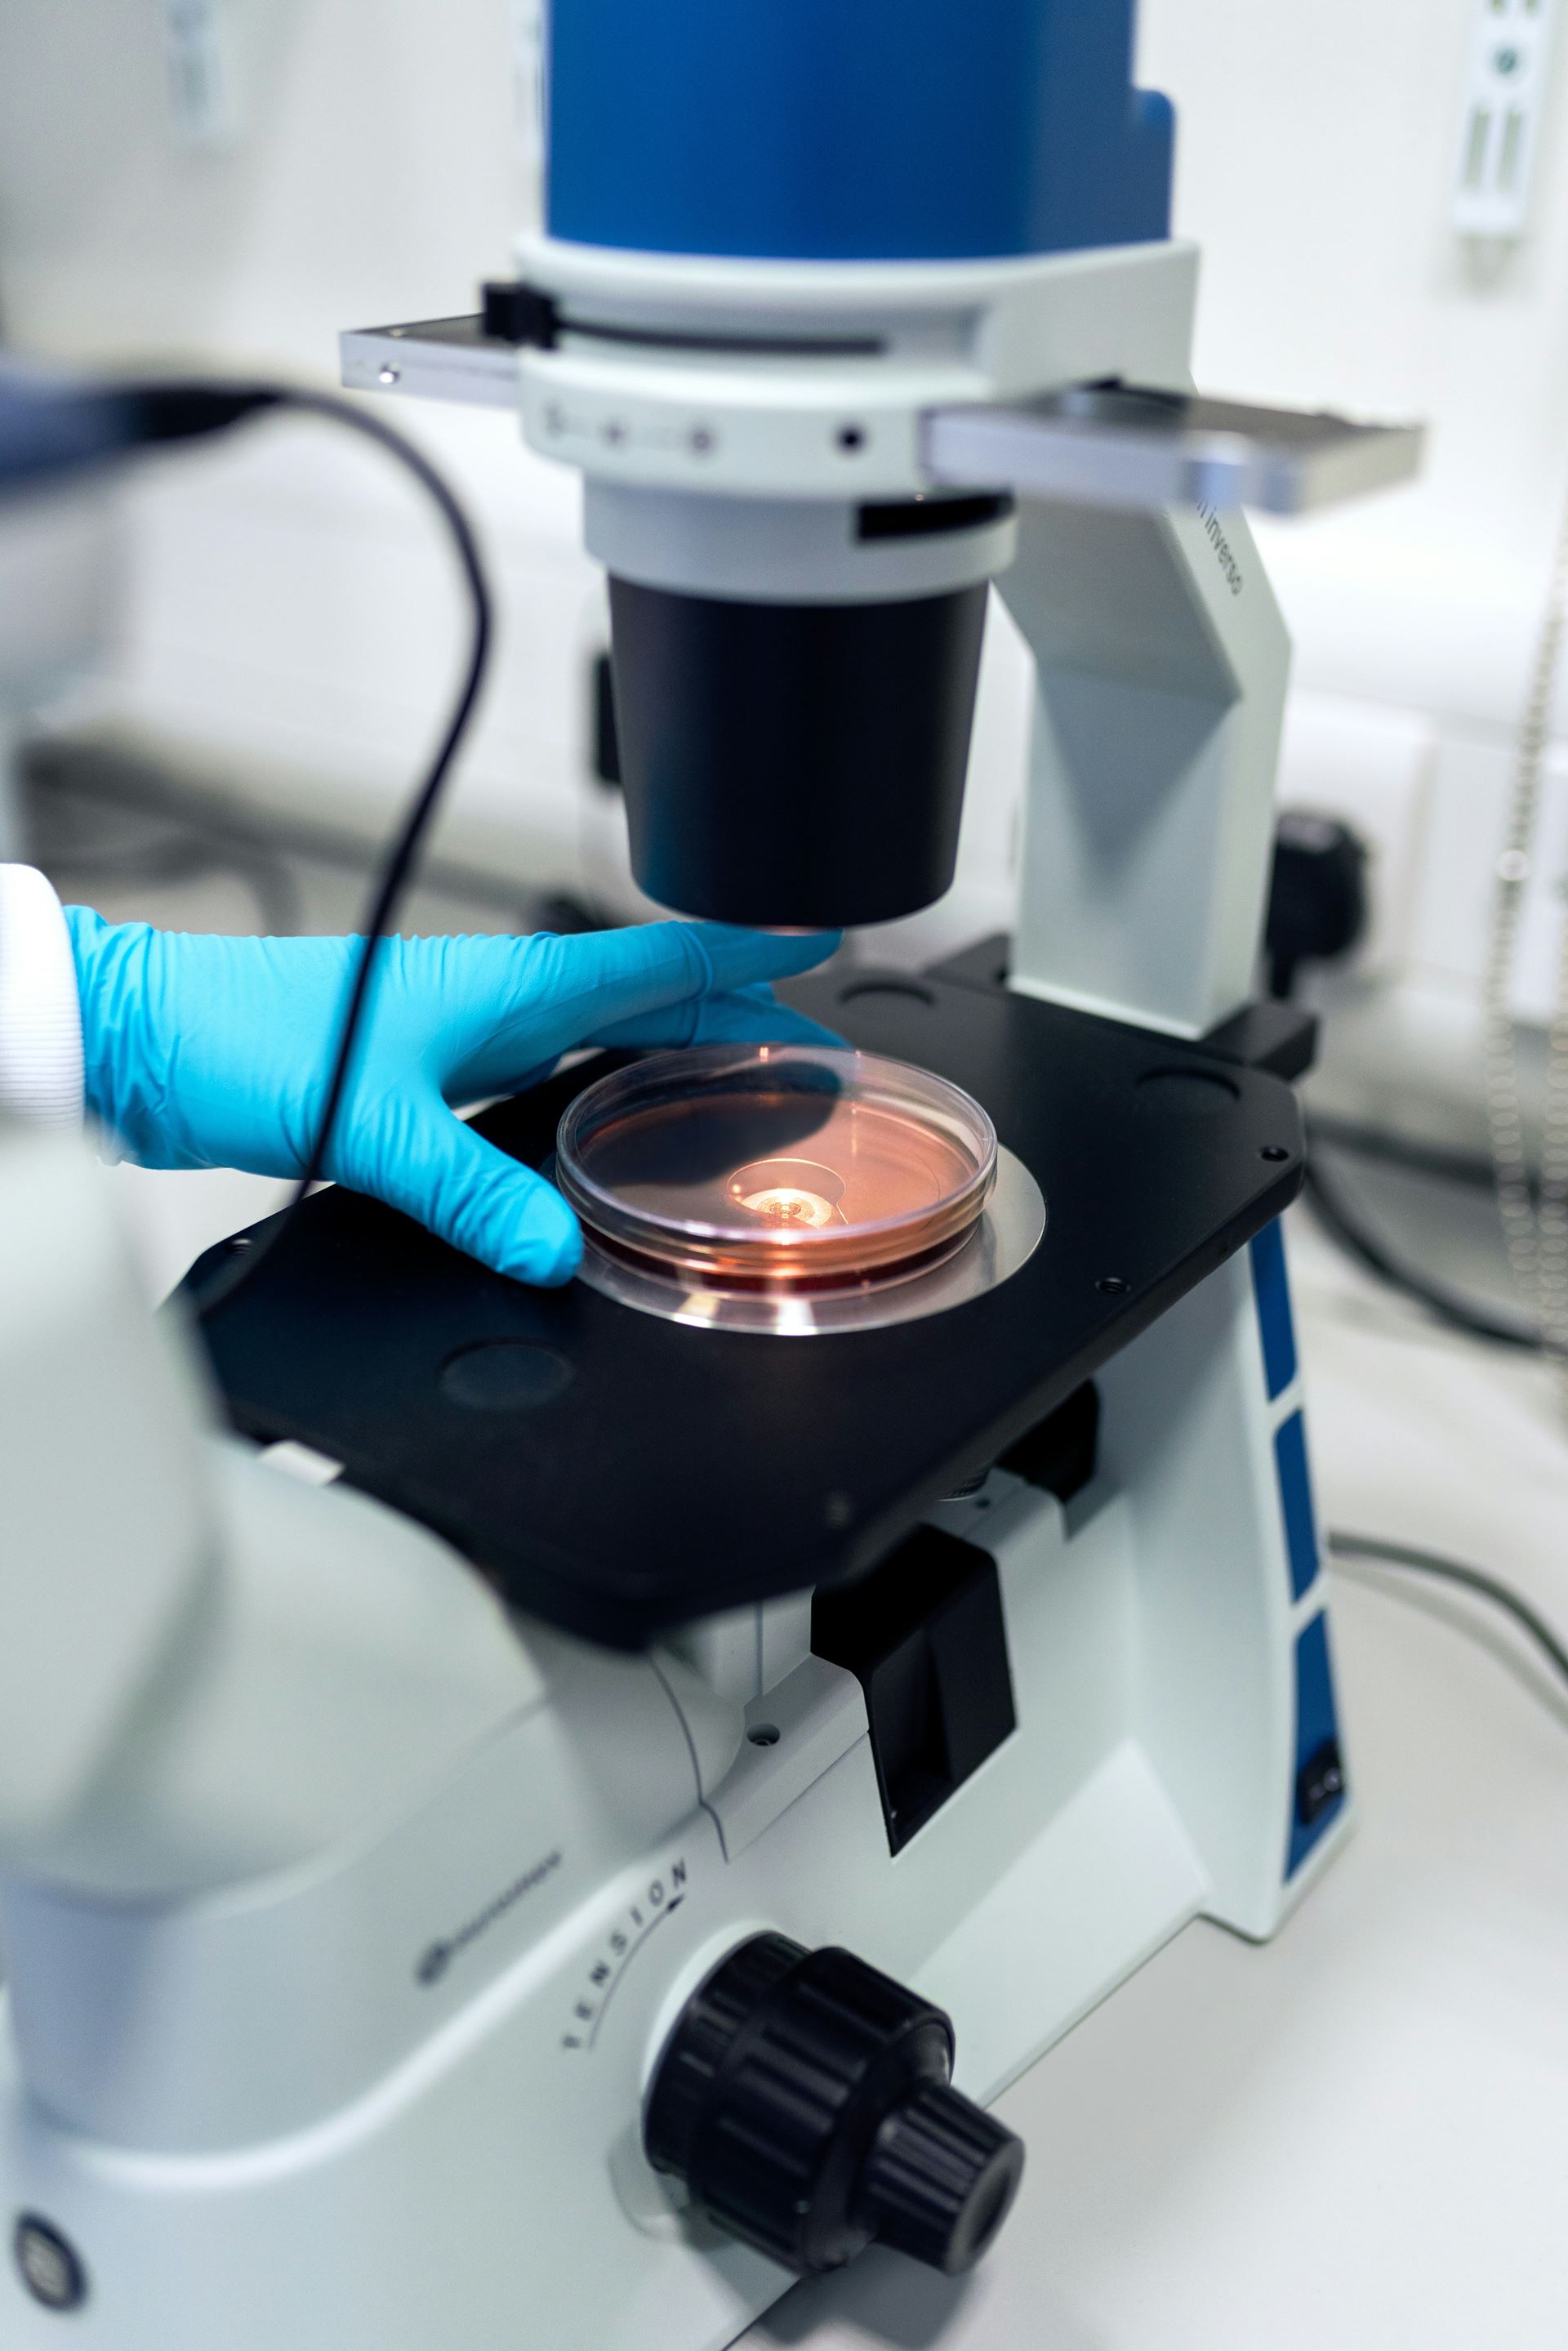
794,764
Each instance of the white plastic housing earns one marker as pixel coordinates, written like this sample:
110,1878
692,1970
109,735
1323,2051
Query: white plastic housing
109,1536
1505,98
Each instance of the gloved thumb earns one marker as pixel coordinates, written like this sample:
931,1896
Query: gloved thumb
426,1162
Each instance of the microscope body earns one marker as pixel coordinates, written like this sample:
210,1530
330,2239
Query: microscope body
335,1998
341,1997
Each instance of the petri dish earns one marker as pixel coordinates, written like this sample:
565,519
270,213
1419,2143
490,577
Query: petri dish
776,1171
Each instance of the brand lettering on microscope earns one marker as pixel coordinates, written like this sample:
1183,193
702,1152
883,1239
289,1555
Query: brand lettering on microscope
435,1962
658,1900
1235,578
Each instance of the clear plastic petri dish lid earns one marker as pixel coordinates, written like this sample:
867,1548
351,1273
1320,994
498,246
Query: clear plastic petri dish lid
776,1167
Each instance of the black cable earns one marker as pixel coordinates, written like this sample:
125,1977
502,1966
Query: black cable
398,868
1338,1218
1470,1579
1388,1148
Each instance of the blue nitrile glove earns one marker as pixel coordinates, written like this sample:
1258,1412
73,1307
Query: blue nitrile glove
216,1052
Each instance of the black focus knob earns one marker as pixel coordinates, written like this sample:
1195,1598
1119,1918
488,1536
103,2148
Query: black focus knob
804,2099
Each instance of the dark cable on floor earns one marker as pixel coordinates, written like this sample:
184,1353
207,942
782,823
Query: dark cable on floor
1387,1148
1470,1579
398,868
1344,1224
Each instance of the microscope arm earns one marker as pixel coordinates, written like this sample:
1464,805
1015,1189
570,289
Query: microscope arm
335,1665
108,1537
207,1670
1161,663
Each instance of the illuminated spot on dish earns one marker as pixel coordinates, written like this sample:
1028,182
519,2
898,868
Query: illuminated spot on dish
785,1206
789,1191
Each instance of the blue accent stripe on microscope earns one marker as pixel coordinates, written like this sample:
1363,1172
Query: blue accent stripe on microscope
882,130
1295,1502
1271,1288
1319,1793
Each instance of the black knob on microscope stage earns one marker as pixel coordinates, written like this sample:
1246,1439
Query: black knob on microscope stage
804,2099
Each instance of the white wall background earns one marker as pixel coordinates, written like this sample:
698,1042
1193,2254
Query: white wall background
290,602
1317,159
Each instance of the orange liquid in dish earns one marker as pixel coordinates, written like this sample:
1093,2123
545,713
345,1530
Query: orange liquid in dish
826,1177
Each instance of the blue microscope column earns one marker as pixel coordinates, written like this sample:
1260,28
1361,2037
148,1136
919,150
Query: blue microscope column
853,130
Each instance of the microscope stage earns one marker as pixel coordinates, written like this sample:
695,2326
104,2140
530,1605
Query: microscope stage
617,1473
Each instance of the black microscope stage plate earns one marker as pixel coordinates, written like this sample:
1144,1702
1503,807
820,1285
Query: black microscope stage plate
617,1474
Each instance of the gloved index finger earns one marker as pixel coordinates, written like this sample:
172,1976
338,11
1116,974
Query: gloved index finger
557,993
657,964
586,983
741,958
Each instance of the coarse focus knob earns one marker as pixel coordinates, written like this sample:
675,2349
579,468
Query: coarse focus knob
803,2100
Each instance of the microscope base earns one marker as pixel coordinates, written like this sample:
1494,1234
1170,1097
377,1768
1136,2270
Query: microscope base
483,2183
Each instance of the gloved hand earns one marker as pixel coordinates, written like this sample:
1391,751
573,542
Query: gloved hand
216,1052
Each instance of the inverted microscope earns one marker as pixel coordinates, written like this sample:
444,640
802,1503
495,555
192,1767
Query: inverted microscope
632,1773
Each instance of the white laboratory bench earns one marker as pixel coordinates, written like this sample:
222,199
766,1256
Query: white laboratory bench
1357,2136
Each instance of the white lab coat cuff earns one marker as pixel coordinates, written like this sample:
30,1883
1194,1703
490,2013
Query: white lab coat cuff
40,1010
